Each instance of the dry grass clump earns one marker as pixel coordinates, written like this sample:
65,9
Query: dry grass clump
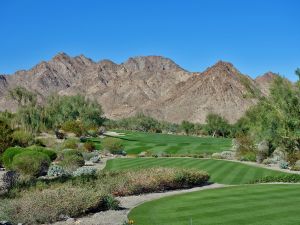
50,205
159,179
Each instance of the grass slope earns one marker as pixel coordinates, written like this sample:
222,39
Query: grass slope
221,171
246,204
136,142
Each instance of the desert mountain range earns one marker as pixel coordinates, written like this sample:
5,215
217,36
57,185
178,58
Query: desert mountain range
153,85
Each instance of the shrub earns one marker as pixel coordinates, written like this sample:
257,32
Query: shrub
268,161
89,146
227,155
73,126
245,147
70,144
5,135
92,133
9,179
158,179
262,151
84,171
189,177
52,154
31,163
216,155
56,171
22,138
285,178
113,145
9,154
49,205
283,165
95,159
71,160
88,155
250,156
295,168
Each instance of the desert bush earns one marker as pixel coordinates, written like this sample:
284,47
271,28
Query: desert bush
245,147
73,126
262,151
56,171
250,156
22,138
8,156
92,133
84,171
216,155
52,154
9,179
71,160
95,159
227,155
31,163
88,155
49,205
295,168
70,144
268,161
89,146
49,142
279,154
113,145
158,179
283,165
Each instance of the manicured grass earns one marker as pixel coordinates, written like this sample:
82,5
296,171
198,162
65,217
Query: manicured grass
136,142
240,205
221,171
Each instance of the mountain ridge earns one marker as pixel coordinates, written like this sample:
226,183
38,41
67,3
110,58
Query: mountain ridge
154,85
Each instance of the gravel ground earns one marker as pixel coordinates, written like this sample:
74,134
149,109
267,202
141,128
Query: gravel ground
112,217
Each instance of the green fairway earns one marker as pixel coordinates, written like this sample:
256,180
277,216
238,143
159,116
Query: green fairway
239,205
136,142
221,171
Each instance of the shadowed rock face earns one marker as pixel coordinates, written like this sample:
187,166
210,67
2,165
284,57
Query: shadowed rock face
154,85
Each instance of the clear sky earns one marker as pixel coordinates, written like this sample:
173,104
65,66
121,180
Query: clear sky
255,35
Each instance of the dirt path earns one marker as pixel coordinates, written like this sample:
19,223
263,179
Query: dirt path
112,217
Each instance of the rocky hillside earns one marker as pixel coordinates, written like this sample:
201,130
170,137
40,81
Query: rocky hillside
154,85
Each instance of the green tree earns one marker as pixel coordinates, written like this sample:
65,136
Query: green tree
276,119
187,126
217,126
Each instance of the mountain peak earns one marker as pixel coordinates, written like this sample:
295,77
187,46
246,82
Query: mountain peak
266,77
150,63
222,68
61,56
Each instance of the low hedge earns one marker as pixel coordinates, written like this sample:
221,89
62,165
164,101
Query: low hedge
285,178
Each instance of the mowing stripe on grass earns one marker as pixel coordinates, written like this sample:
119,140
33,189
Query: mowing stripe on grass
243,205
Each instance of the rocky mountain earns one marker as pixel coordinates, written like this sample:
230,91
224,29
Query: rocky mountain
154,85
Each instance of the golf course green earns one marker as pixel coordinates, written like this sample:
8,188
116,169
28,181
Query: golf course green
277,204
137,142
220,171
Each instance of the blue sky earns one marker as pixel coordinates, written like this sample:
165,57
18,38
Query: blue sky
255,35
